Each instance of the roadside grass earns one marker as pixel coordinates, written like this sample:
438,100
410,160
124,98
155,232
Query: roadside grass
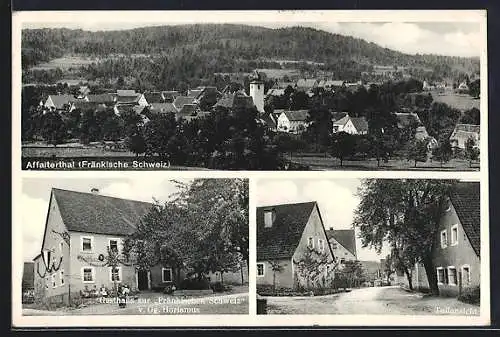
460,102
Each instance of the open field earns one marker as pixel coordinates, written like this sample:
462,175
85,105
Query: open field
321,162
64,63
279,73
461,102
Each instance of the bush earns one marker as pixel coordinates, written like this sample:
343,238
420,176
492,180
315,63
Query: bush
195,284
169,289
471,295
218,287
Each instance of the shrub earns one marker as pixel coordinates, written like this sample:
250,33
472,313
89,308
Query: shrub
195,284
169,289
470,295
218,287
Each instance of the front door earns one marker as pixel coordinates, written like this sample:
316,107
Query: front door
142,280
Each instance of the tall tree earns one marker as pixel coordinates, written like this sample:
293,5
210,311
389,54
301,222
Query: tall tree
405,214
53,130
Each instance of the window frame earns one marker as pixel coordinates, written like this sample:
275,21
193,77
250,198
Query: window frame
61,277
267,214
92,272
110,272
117,244
453,227
438,269
310,242
61,247
445,243
468,274
53,280
321,245
449,278
163,269
82,238
263,269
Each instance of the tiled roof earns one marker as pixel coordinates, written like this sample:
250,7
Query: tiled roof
346,237
101,98
126,93
235,100
94,213
83,105
468,128
465,198
128,99
281,240
187,110
163,108
341,121
276,92
297,115
360,123
61,100
306,83
180,101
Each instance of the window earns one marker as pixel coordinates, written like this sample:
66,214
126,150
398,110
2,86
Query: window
47,282
88,275
61,276
310,242
342,261
444,239
53,279
115,274
53,254
166,274
452,276
454,235
321,245
466,275
87,244
260,269
440,275
268,219
113,245
61,247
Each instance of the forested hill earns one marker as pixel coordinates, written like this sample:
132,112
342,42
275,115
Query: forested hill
224,42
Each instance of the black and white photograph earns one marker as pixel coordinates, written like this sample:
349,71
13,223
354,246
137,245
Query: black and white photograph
134,247
230,92
368,247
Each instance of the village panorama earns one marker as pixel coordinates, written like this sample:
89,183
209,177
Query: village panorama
240,97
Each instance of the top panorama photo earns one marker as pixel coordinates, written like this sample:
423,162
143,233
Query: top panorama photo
269,96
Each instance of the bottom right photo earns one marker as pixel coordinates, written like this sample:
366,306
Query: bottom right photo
368,246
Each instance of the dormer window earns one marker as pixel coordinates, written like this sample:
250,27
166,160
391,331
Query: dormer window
268,218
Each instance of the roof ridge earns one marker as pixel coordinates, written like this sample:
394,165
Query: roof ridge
293,203
100,195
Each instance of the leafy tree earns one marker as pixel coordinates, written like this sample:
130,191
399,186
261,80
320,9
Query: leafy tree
343,145
417,151
471,150
442,153
159,135
472,116
320,127
136,143
53,130
405,214
475,88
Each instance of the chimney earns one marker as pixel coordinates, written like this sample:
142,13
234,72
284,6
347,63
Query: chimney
94,190
269,217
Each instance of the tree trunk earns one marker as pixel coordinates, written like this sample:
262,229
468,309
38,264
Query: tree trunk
221,277
242,277
274,282
415,163
378,162
430,271
409,278
341,160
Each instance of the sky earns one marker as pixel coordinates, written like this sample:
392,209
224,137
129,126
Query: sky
444,38
36,194
336,200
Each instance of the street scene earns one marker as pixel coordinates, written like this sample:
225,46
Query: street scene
368,246
175,247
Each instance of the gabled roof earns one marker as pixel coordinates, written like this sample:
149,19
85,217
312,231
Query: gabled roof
465,197
297,115
195,93
180,101
360,123
467,128
154,97
187,110
276,92
163,108
234,101
99,214
269,121
341,121
346,237
281,240
306,83
60,101
126,93
83,105
101,98
128,99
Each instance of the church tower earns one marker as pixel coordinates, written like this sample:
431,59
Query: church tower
257,91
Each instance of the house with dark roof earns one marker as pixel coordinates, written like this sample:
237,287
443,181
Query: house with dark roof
107,99
462,133
130,97
343,244
60,102
180,101
236,100
457,245
293,121
154,97
80,229
351,125
291,238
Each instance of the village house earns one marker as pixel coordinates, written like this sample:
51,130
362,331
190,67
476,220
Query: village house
343,244
292,121
408,119
306,84
457,246
106,99
463,88
154,97
180,101
351,125
60,102
79,230
170,95
288,235
237,100
130,97
462,133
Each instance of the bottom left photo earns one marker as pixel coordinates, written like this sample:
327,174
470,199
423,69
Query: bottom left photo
134,246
